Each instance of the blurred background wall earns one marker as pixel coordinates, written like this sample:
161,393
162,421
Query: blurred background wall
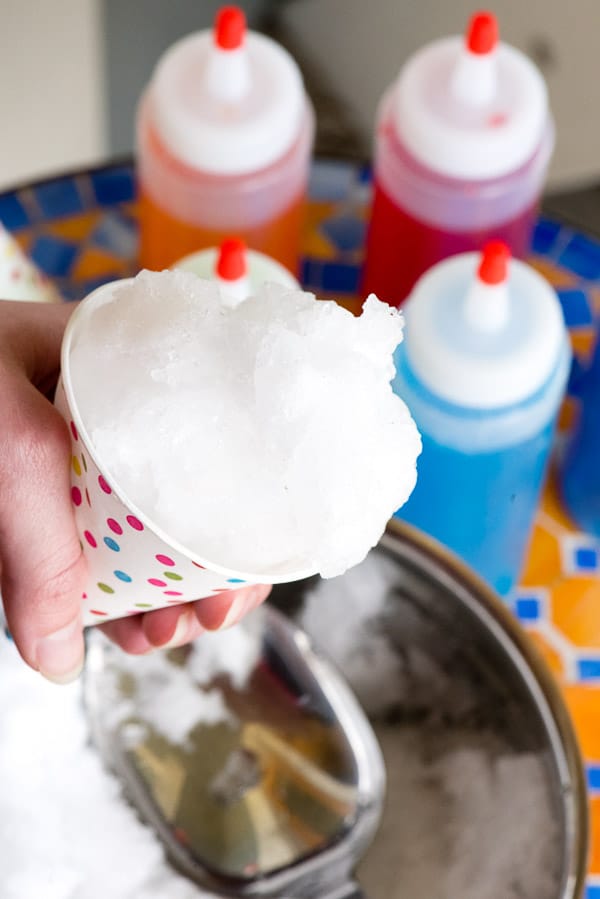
71,70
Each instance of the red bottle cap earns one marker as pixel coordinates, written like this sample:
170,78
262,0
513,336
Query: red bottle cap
482,33
493,268
231,261
230,28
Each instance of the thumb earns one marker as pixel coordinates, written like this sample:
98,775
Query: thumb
43,569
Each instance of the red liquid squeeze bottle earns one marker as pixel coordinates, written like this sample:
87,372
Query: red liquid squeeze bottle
463,141
225,133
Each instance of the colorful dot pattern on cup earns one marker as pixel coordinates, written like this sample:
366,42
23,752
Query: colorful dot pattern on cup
112,544
103,484
123,576
130,568
135,523
164,560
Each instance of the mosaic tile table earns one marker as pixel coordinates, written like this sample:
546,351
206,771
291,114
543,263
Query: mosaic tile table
81,231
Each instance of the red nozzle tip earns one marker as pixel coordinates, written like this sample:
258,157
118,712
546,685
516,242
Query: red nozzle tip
231,261
230,28
493,268
482,33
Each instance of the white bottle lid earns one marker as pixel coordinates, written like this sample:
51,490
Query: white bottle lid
227,101
471,107
483,331
223,263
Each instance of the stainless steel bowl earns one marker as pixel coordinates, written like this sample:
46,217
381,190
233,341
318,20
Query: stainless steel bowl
286,803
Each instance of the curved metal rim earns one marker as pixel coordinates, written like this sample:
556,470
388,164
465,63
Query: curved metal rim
414,546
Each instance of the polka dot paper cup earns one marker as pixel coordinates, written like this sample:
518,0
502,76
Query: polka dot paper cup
133,566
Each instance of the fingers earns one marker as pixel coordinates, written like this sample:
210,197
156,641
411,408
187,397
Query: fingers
30,338
43,570
177,625
164,628
226,609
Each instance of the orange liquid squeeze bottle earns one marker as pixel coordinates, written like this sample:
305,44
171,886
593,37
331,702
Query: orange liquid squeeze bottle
224,140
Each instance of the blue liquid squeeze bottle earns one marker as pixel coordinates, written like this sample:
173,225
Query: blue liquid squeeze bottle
483,368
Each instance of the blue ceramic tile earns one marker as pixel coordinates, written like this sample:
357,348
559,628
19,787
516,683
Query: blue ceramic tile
365,174
339,277
593,777
576,308
115,185
576,377
528,608
588,669
544,235
586,558
311,274
54,256
12,212
345,232
582,257
331,181
116,234
59,198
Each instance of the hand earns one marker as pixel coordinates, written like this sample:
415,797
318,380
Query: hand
43,570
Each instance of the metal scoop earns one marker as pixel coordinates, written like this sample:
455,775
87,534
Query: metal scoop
277,788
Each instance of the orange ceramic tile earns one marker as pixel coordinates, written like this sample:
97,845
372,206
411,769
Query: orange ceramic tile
558,277
594,298
24,239
316,246
583,703
549,654
76,227
575,609
352,303
567,414
543,565
582,341
94,263
594,862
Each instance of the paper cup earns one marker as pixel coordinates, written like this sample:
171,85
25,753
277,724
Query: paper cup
133,565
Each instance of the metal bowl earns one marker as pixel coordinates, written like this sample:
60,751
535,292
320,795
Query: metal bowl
432,655
493,684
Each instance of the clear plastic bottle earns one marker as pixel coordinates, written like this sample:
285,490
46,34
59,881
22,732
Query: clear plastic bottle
483,368
224,137
462,146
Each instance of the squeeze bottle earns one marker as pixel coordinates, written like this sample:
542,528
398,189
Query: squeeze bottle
238,270
224,141
462,146
482,368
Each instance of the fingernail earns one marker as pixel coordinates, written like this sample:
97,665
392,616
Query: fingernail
242,604
60,655
182,631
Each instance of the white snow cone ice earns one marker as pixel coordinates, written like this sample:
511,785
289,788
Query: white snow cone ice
262,441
